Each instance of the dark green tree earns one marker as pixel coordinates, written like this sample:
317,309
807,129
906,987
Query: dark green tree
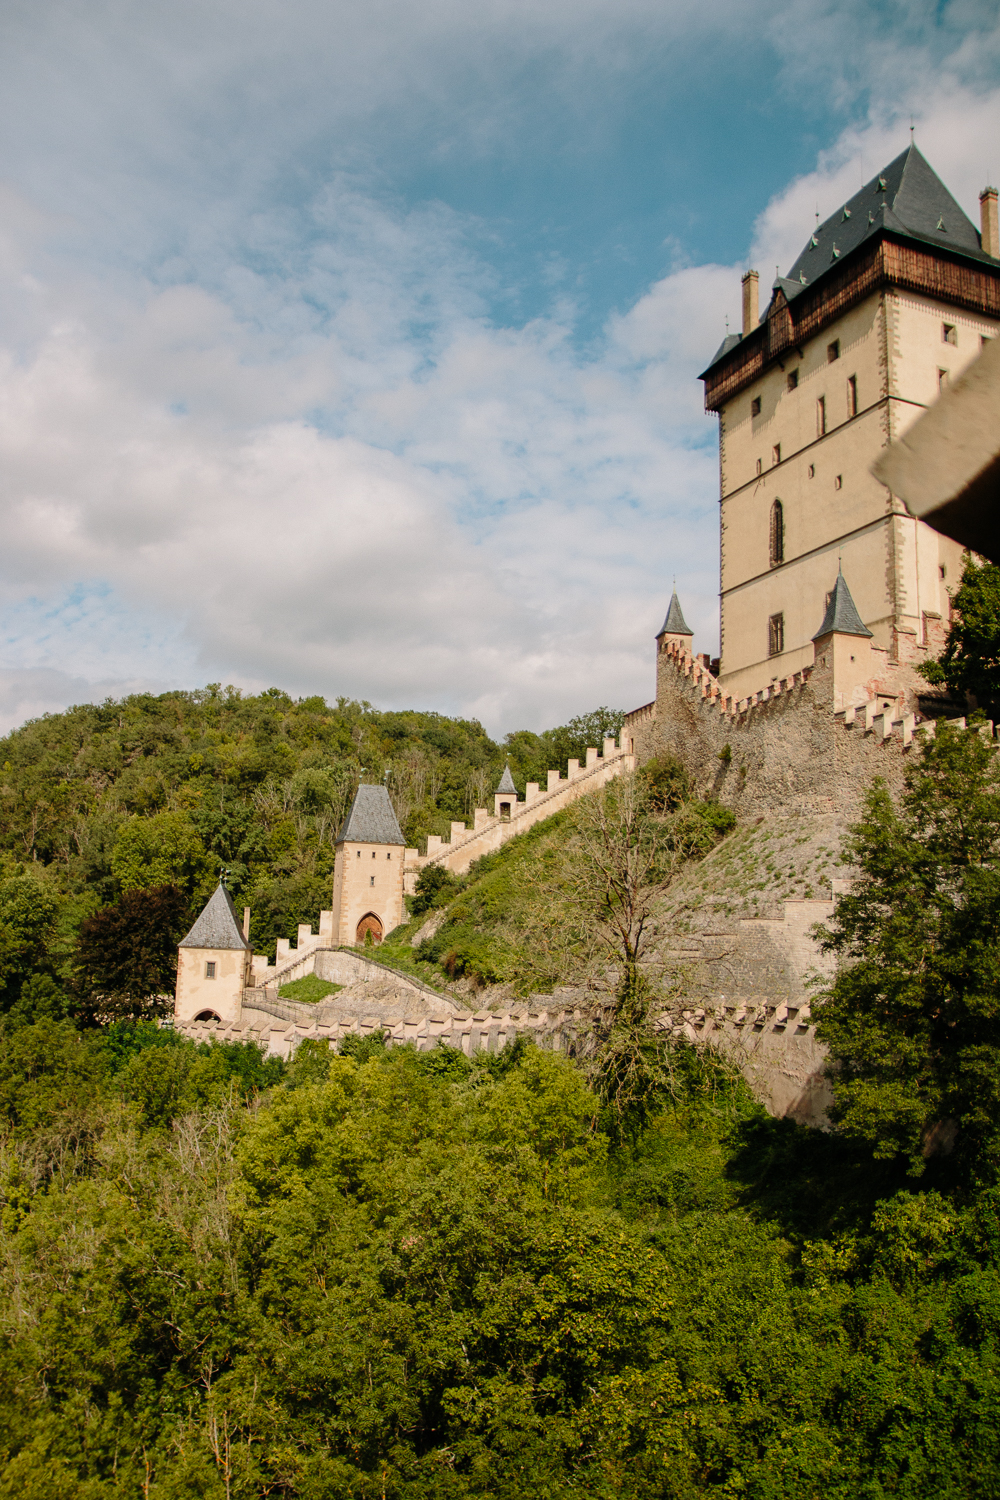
912,1019
970,662
127,954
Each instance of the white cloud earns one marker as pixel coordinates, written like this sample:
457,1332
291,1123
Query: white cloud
291,445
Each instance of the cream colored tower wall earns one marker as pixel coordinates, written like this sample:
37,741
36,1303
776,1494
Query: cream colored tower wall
891,347
367,879
195,992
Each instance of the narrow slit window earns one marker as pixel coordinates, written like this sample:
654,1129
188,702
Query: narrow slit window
372,881
776,454
838,483
755,407
775,635
777,533
760,466
821,417
812,471
942,379
852,395
833,351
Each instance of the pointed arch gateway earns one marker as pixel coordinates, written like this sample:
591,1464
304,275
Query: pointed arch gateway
369,923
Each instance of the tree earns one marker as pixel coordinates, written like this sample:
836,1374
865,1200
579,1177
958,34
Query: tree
970,662
912,1019
127,954
27,908
164,849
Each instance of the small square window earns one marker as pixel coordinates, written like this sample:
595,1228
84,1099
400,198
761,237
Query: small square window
760,466
793,379
776,454
838,483
942,379
775,635
949,333
852,395
755,407
210,970
812,471
833,351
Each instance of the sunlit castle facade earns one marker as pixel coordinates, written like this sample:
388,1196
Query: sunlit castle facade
889,301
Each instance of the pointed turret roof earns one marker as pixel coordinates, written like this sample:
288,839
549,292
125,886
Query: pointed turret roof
218,925
675,623
841,613
506,783
371,819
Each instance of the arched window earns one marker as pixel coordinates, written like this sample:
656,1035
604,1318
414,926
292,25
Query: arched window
777,534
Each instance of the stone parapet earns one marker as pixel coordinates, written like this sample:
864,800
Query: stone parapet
490,831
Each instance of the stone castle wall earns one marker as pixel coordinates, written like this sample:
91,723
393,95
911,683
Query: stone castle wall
782,749
490,832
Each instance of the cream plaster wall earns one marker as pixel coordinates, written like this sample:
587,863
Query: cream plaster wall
898,570
222,994
354,895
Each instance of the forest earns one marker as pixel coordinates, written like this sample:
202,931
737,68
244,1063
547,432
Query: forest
394,1275
102,803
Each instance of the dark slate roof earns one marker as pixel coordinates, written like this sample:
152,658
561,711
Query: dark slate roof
218,926
841,613
371,819
675,623
507,782
906,199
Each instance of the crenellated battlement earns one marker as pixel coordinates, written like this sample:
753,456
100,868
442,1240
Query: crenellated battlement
512,816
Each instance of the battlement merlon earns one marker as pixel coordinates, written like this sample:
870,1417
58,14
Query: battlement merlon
511,815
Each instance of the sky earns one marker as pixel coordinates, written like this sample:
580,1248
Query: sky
354,349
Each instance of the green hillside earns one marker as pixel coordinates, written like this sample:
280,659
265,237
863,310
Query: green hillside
109,799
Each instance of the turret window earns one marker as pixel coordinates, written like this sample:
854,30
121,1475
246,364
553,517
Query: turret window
210,970
777,533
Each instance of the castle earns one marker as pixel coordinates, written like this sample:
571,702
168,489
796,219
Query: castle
831,593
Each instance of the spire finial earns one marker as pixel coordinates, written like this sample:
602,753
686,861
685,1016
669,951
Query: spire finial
911,130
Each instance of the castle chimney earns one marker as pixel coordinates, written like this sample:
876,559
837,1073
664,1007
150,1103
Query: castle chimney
246,921
988,220
751,281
